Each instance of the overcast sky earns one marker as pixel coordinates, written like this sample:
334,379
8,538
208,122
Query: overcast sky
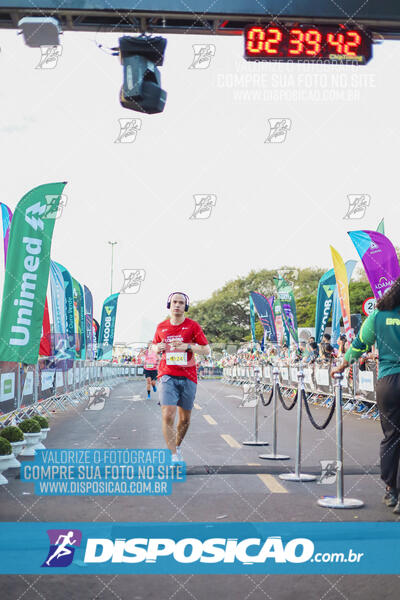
276,203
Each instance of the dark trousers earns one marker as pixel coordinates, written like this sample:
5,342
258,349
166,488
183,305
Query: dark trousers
388,400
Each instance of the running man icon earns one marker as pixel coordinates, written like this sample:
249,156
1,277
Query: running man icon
61,550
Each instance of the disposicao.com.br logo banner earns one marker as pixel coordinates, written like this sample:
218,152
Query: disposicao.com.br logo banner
295,548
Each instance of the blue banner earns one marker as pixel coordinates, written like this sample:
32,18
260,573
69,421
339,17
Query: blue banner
201,548
325,295
60,343
265,314
90,354
107,327
252,321
69,310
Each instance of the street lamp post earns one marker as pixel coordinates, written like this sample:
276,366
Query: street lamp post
112,264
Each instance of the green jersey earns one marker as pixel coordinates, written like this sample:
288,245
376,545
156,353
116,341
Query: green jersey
382,328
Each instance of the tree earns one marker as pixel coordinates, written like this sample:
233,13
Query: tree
225,316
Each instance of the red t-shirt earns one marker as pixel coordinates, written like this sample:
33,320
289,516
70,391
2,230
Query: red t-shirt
175,362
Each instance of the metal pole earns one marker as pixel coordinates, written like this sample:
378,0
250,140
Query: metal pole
297,476
339,501
274,455
112,244
255,441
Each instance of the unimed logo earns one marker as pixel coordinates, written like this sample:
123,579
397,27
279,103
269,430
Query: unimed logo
191,550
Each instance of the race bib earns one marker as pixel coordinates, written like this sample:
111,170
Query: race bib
149,366
176,358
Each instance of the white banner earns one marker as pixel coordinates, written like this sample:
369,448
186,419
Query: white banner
7,386
28,385
322,376
307,376
284,373
59,379
366,381
47,380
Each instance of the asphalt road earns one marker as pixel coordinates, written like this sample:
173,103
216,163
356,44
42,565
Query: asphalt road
226,481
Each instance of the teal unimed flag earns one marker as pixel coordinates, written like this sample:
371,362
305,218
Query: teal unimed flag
27,273
107,327
381,227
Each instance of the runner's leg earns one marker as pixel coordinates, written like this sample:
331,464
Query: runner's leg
168,419
183,424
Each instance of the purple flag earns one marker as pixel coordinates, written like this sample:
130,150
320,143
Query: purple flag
379,258
265,313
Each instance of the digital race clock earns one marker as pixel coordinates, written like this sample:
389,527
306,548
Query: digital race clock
308,43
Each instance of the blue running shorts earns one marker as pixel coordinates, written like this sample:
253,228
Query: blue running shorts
177,391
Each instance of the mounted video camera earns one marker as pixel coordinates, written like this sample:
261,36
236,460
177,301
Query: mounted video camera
141,90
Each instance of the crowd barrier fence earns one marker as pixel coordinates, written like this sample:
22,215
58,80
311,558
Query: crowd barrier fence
42,387
358,389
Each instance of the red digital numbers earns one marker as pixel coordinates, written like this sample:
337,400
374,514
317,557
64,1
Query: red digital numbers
306,42
255,40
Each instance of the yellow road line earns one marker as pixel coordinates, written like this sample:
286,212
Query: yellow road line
230,440
197,406
210,420
253,464
272,483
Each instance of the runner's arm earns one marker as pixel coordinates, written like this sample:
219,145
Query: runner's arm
199,349
364,340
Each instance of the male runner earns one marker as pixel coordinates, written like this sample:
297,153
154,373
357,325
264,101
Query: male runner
178,338
150,368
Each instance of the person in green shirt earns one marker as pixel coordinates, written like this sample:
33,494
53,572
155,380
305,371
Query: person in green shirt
382,328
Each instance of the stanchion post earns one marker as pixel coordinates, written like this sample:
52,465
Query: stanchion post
339,501
297,476
255,441
274,455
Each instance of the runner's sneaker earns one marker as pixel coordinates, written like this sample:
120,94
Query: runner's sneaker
390,497
148,395
154,388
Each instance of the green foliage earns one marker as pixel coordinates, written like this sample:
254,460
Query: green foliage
29,426
43,422
5,447
225,317
12,434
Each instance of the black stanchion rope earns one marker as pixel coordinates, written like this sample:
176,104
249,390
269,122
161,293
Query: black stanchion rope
312,421
285,406
268,402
